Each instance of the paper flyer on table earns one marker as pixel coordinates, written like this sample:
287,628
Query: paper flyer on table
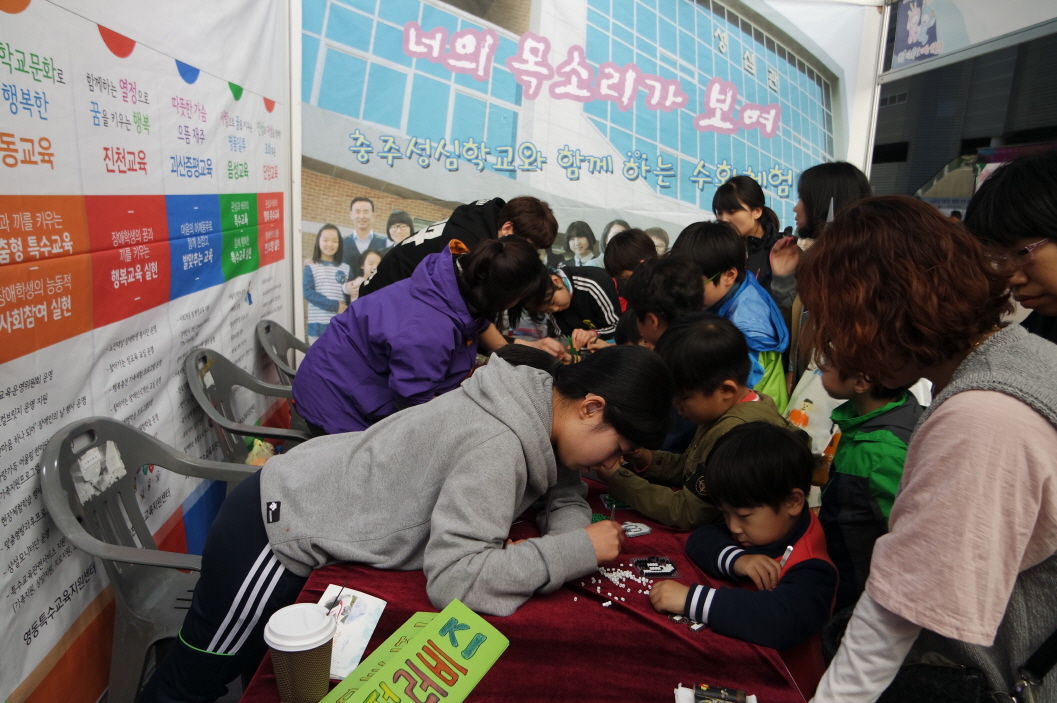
357,618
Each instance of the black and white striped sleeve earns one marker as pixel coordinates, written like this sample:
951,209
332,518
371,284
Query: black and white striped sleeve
698,603
605,304
714,550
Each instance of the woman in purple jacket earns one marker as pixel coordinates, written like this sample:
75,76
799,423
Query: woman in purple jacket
414,339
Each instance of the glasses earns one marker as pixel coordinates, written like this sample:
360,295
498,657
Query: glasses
1025,255
712,277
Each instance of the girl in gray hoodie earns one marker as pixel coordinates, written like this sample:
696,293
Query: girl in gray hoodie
434,487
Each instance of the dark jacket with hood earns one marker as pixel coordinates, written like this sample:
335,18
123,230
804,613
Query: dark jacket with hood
402,347
470,223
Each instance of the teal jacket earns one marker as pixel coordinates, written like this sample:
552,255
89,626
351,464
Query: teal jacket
863,481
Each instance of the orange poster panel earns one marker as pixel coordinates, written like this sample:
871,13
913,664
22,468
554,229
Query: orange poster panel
42,303
270,230
41,227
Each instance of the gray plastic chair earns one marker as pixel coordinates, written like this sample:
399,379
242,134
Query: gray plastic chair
281,347
150,595
211,377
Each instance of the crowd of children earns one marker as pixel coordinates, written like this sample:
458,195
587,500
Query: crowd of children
701,331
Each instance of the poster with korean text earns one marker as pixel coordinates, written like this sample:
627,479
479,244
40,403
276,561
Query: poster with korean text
607,109
144,190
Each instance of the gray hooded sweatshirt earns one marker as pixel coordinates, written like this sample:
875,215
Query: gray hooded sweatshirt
436,487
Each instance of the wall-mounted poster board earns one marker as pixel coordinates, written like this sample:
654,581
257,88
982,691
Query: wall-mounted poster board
144,187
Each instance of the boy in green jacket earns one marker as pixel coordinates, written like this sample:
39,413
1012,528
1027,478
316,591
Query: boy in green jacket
875,427
709,360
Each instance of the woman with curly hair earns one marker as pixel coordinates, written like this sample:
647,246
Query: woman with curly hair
968,568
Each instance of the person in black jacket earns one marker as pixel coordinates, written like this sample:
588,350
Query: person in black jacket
1015,212
585,307
468,224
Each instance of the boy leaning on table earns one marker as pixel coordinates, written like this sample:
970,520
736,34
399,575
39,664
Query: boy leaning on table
758,477
709,361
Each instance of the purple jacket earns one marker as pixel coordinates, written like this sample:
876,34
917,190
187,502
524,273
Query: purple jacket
401,346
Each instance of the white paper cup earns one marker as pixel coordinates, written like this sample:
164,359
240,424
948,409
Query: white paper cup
301,637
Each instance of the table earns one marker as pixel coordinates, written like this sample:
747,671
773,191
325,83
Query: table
567,646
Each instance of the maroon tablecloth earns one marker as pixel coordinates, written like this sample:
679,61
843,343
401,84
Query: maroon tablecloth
567,646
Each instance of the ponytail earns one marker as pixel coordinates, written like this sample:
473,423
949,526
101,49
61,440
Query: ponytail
499,273
633,380
743,190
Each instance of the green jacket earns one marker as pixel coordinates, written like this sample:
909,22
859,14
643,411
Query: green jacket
651,492
864,478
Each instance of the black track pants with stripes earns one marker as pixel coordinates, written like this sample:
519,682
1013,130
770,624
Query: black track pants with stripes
241,585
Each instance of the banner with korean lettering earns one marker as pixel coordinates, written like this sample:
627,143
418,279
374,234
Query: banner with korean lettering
607,109
143,212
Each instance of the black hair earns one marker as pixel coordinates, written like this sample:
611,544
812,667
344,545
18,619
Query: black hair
580,229
741,193
399,217
1018,201
839,183
500,273
714,246
633,381
668,287
956,213
758,464
608,227
702,351
627,331
878,390
317,255
363,259
627,250
361,199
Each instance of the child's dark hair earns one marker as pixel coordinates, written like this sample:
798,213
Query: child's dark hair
714,246
499,273
608,227
878,391
627,331
633,381
626,250
579,230
839,183
758,464
317,255
363,259
740,193
668,287
702,351
991,215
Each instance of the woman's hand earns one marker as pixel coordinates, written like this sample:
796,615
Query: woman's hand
763,570
785,257
669,596
607,537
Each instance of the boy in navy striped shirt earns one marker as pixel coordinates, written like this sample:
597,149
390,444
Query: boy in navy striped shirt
759,476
